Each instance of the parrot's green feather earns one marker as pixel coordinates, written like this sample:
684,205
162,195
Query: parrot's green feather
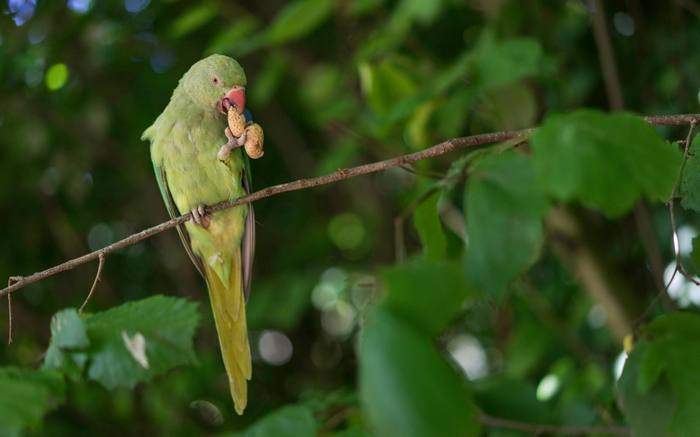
184,141
173,212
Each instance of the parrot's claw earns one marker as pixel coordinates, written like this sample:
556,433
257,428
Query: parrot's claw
224,152
200,216
232,143
229,134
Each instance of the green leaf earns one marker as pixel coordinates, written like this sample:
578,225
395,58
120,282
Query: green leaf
298,19
387,84
291,421
193,19
663,375
504,210
26,396
427,293
362,7
511,399
71,364
268,79
324,97
127,344
407,388
235,39
690,184
648,414
68,330
509,107
165,324
695,254
498,63
605,161
417,129
408,12
452,114
426,218
528,346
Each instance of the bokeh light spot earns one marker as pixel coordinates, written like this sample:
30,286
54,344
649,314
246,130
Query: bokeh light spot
80,6
100,236
56,76
597,317
624,24
324,296
162,60
37,34
548,387
136,6
685,239
469,355
21,10
346,231
619,365
680,289
275,348
340,320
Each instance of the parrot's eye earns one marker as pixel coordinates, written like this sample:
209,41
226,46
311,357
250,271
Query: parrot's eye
215,80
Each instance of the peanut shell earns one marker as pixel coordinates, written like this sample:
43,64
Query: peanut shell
254,141
236,122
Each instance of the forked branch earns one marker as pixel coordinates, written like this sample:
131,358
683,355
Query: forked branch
302,184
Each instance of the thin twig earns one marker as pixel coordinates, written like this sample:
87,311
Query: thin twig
9,318
616,101
676,247
400,244
676,243
301,184
98,277
679,268
536,429
11,280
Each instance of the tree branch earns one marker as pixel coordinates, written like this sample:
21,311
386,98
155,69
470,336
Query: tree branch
302,184
608,66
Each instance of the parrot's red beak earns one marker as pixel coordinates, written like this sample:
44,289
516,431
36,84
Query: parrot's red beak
235,97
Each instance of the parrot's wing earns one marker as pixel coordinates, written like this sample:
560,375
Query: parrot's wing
162,179
248,246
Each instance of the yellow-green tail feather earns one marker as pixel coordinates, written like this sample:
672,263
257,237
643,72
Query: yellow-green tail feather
227,303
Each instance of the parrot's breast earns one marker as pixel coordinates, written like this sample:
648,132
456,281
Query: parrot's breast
195,176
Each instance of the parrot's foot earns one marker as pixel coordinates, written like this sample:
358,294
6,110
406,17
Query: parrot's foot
200,216
235,140
232,143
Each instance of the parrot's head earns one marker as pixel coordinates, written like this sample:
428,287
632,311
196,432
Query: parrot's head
216,82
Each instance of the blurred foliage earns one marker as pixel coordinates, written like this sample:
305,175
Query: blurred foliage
125,345
358,326
573,157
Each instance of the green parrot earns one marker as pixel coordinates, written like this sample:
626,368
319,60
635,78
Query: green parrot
184,141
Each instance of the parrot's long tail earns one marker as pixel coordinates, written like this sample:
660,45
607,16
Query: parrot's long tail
228,305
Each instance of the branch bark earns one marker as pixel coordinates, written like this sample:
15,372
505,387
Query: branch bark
302,184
